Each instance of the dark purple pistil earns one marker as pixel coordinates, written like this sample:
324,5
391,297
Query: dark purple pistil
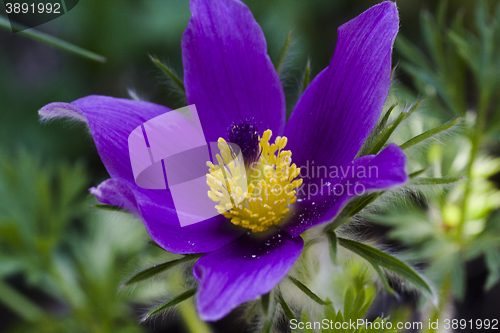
246,135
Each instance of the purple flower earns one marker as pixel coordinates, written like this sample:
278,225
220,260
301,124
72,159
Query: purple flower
231,80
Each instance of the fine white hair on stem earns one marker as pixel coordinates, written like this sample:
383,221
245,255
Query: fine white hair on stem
182,269
287,66
173,89
165,314
439,138
289,74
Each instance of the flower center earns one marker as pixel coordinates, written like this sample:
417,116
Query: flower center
259,194
246,136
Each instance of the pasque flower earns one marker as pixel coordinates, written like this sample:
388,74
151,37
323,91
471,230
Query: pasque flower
228,75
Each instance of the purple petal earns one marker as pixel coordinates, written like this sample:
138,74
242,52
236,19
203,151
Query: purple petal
340,107
111,120
116,192
242,271
157,211
320,204
227,72
59,110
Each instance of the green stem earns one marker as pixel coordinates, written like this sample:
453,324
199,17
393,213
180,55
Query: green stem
191,320
18,303
51,41
476,141
187,311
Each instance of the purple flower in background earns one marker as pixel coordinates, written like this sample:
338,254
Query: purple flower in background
231,80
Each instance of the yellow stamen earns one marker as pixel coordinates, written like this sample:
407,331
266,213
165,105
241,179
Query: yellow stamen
260,196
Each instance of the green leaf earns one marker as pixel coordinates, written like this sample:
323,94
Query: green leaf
348,303
426,135
441,13
417,173
383,278
358,304
174,301
157,269
436,181
412,52
155,245
268,324
252,312
385,119
308,291
307,76
412,109
339,318
433,38
19,304
286,309
330,310
492,257
110,208
359,204
382,259
379,127
282,54
265,300
169,73
333,242
368,302
458,278
51,41
353,208
305,319
381,139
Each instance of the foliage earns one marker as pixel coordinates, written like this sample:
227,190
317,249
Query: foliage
38,202
458,225
454,54
433,223
355,307
77,266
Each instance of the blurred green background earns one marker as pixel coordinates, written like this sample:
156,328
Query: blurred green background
55,249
